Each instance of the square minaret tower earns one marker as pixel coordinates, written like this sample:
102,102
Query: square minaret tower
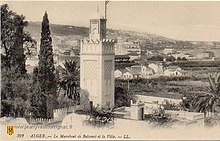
97,62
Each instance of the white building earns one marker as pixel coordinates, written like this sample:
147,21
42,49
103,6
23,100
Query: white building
142,70
127,75
132,49
173,71
136,71
157,67
205,55
134,56
117,74
97,63
168,50
120,48
146,71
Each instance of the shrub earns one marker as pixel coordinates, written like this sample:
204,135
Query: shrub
99,117
160,118
212,121
170,106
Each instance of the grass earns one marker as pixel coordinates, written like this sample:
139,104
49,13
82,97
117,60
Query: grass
165,86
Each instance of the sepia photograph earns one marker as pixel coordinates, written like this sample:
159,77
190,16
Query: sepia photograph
110,70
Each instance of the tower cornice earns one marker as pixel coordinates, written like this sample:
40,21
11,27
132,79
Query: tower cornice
97,41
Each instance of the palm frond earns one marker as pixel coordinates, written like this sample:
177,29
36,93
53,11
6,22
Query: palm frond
209,100
69,79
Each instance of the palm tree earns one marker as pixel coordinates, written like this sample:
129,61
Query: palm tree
69,79
209,101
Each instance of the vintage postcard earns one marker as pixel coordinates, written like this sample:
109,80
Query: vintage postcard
110,70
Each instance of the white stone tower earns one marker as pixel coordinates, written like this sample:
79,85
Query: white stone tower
97,61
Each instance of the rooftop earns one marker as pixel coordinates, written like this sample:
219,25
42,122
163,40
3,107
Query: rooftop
172,67
122,56
133,54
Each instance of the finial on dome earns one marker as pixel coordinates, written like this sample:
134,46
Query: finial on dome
97,15
97,8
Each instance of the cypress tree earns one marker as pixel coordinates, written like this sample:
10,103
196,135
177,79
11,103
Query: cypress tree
35,95
46,76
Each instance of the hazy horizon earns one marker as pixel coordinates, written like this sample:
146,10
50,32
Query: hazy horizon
189,21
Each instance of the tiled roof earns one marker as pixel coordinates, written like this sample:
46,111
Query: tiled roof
135,72
133,54
122,56
123,70
149,69
172,67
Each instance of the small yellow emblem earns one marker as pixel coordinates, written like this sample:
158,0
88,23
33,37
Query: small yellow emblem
10,130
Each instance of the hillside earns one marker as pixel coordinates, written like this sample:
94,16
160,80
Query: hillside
81,32
68,32
58,30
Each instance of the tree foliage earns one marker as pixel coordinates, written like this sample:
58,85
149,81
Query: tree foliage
46,77
209,101
36,97
122,97
17,104
100,117
13,71
13,37
156,58
69,80
160,119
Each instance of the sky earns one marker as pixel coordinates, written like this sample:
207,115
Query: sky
198,21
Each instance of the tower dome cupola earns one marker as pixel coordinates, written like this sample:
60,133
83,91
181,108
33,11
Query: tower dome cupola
97,27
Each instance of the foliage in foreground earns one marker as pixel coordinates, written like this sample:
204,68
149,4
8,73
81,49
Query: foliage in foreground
209,101
122,97
212,121
100,117
69,80
14,79
18,104
160,118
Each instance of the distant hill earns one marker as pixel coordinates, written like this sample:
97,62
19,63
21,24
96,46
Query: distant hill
148,40
58,30
68,30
